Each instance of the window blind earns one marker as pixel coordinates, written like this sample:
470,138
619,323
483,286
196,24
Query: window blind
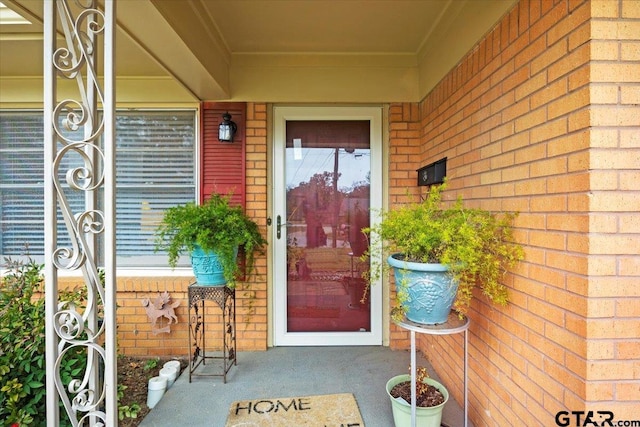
22,185
155,169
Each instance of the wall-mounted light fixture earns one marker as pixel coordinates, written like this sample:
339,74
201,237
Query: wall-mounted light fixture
227,129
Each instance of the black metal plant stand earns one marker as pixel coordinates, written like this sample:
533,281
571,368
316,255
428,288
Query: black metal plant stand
225,298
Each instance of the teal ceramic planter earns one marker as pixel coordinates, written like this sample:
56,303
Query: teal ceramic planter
430,290
207,268
425,417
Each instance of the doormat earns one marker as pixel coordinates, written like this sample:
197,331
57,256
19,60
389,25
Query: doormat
312,411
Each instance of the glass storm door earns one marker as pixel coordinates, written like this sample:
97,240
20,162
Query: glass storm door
326,180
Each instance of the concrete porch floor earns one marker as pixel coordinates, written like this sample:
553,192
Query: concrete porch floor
291,372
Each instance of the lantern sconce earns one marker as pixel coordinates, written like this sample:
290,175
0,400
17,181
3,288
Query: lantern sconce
227,129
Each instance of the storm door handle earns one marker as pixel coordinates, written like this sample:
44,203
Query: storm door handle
279,226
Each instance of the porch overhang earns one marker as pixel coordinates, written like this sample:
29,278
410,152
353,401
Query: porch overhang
182,48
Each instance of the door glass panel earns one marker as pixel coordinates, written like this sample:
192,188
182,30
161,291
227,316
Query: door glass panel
328,198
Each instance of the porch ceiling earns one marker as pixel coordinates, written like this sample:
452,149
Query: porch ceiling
279,50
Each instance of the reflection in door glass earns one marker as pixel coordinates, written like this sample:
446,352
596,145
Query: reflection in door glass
328,185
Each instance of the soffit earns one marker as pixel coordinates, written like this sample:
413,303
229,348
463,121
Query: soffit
217,47
330,26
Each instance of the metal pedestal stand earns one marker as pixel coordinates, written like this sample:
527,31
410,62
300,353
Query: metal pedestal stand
453,325
225,298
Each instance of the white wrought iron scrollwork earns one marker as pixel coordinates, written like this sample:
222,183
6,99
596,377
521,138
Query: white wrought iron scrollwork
75,161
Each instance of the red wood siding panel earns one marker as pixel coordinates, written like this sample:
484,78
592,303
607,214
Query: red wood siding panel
223,164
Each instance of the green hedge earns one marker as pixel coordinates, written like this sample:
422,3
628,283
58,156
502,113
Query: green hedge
22,348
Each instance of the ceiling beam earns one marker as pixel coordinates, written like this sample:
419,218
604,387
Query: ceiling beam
206,77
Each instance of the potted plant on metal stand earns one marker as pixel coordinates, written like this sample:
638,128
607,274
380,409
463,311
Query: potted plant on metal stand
211,233
441,253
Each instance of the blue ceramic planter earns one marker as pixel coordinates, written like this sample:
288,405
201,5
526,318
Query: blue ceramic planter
430,290
207,268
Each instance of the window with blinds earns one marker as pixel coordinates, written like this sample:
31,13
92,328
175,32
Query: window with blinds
155,169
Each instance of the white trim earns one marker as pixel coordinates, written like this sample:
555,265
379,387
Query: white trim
281,115
11,17
110,375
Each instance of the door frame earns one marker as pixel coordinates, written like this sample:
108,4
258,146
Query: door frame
281,115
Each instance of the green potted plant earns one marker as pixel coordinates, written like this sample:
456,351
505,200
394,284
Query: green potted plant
444,252
213,229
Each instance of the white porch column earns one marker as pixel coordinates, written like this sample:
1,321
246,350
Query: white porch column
79,148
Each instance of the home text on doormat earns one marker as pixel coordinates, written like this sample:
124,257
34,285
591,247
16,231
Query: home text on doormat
331,410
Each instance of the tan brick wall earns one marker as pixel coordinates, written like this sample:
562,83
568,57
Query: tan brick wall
134,330
404,159
613,321
542,118
252,295
135,334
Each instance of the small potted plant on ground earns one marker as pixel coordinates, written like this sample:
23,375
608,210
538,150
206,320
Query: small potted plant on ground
440,254
214,229
431,397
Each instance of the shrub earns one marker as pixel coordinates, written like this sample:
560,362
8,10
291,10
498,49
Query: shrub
22,343
477,246
22,347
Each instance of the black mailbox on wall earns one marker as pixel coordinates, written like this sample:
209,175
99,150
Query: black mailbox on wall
433,173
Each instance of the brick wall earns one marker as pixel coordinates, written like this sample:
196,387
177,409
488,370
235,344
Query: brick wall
136,336
542,118
612,365
252,294
404,159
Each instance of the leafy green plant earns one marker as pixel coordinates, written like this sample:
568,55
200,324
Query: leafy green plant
22,346
151,364
126,411
22,363
214,226
476,245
